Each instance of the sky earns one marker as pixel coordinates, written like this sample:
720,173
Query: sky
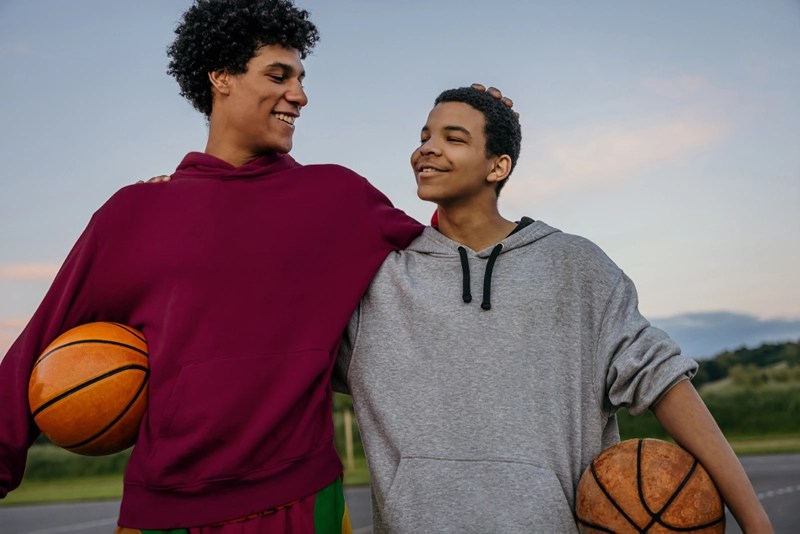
666,132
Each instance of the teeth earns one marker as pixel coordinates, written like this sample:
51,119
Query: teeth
288,119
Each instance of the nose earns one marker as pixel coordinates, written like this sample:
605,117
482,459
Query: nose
429,147
297,95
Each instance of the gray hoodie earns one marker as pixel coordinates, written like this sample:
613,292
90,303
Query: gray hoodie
483,420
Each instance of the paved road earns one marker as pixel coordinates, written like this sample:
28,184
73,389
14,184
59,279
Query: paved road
776,479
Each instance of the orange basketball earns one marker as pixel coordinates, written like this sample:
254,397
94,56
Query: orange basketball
88,389
648,485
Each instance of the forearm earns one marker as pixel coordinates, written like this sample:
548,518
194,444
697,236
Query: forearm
684,415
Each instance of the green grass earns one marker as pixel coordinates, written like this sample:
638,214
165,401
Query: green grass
110,487
777,445
359,475
65,490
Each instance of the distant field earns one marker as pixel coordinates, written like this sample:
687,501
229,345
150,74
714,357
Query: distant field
766,446
109,486
65,490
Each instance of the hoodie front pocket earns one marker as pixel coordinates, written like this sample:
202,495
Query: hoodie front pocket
480,496
241,417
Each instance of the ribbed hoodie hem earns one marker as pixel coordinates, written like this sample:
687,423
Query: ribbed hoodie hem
214,502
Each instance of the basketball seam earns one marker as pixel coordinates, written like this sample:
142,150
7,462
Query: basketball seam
79,342
656,517
695,527
116,419
594,526
131,331
611,499
639,447
88,383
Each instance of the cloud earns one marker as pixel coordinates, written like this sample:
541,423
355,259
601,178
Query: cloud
611,151
703,335
685,114
41,272
605,155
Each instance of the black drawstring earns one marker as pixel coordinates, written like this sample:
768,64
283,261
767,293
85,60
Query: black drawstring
466,295
487,278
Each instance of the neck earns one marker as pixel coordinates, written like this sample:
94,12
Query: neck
222,144
474,228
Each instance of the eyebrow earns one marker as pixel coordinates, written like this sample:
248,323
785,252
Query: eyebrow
287,69
450,129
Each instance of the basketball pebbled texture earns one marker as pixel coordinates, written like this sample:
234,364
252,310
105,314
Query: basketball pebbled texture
648,485
88,389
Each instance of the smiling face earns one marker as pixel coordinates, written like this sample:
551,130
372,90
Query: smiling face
254,112
451,165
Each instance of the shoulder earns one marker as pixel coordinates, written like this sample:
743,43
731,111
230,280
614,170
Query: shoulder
134,199
134,194
342,181
580,256
329,171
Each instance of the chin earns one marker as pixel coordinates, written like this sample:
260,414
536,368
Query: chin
284,148
432,191
281,146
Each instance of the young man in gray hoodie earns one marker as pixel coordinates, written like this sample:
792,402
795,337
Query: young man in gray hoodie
480,415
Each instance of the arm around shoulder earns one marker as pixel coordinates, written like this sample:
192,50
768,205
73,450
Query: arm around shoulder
684,415
397,229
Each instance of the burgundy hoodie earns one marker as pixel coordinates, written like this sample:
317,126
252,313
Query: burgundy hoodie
242,280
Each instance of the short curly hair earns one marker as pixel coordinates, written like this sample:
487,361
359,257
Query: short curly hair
502,129
226,34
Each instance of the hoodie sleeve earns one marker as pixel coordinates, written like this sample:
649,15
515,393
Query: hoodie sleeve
66,304
637,361
396,229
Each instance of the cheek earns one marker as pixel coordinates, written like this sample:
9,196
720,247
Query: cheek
414,158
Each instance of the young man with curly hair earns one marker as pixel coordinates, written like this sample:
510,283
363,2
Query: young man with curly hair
481,414
242,301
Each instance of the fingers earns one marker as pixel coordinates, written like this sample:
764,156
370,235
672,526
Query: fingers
495,92
156,179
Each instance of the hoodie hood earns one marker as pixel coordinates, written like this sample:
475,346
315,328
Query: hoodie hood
431,241
200,165
437,244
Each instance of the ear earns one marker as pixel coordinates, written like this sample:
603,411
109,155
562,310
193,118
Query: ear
220,81
500,169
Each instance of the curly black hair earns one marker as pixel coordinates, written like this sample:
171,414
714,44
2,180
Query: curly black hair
502,129
226,34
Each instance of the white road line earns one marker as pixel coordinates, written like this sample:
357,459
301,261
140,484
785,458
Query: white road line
772,493
363,530
76,526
